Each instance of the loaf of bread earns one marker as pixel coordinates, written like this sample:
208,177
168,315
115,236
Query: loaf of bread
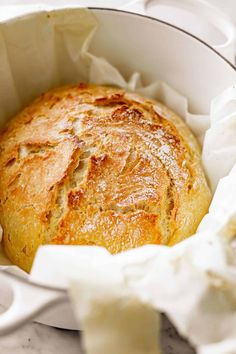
93,165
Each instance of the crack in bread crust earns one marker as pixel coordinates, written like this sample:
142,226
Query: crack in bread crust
95,165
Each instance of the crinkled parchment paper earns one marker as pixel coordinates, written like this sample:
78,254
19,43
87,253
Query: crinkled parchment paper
118,299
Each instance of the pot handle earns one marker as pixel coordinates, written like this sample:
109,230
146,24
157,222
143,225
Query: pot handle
214,16
28,300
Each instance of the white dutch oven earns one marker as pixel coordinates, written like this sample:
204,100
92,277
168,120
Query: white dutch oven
160,51
200,17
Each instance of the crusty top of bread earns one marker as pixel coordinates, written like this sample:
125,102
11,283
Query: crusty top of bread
93,165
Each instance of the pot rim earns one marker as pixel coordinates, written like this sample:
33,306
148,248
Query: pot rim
167,24
135,14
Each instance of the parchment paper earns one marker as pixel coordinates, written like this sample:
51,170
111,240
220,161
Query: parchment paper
193,282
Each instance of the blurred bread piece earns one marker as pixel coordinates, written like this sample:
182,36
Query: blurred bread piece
93,165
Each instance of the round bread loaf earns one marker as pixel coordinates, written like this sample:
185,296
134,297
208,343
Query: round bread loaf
93,165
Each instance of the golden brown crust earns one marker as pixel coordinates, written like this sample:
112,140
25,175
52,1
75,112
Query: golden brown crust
96,165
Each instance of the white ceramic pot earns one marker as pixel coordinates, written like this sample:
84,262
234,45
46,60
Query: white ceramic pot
160,51
211,20
199,17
